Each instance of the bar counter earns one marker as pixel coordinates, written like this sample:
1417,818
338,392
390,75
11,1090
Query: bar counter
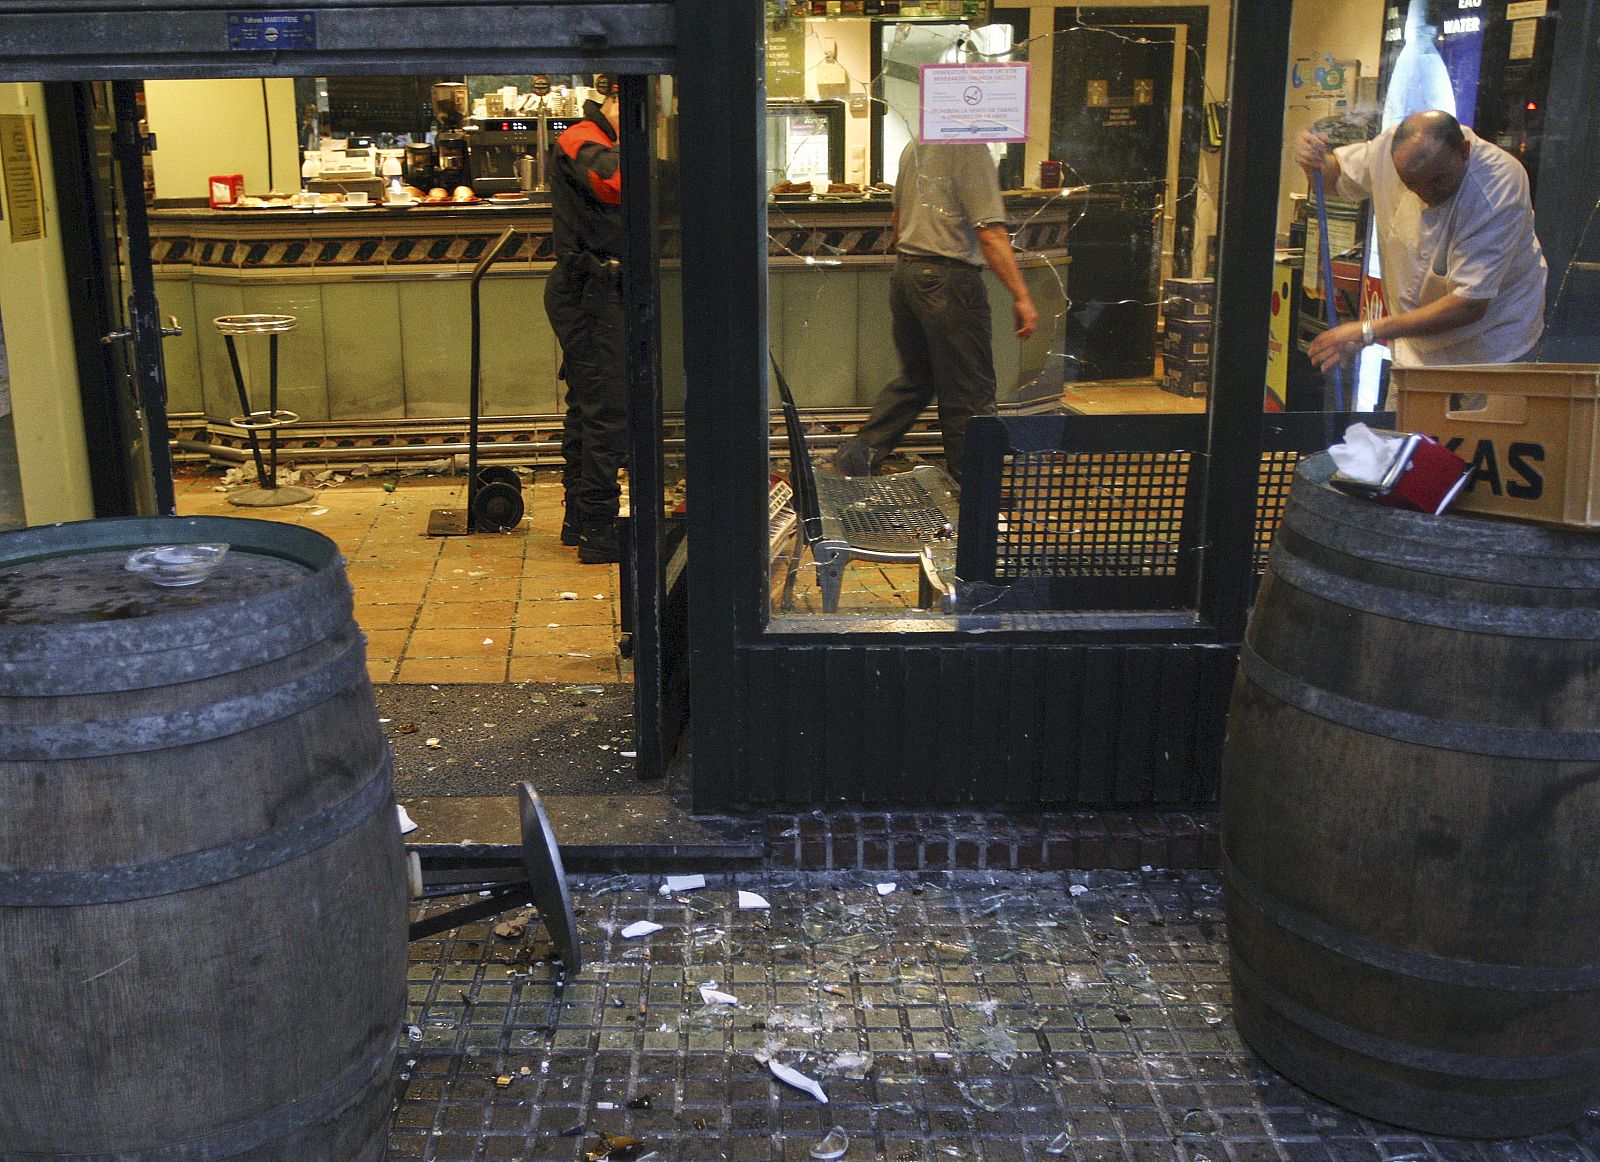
381,296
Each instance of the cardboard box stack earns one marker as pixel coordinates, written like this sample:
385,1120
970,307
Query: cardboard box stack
1186,326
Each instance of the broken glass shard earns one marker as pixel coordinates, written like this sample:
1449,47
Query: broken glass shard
833,1145
986,1094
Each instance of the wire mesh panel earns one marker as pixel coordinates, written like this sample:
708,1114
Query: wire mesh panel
890,513
1091,514
1272,493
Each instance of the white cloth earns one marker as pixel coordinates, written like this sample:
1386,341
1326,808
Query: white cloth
1478,244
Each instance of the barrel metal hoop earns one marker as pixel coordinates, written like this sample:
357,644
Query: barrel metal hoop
1371,1045
1443,553
81,740
1503,620
1485,549
324,1105
1447,970
1468,738
165,650
198,869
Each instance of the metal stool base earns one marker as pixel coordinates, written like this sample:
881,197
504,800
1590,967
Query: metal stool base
269,497
264,421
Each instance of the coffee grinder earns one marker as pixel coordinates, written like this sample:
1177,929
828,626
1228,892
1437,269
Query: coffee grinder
449,143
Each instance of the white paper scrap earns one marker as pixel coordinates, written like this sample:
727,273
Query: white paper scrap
640,928
748,901
884,889
407,824
712,997
673,884
799,1080
1078,889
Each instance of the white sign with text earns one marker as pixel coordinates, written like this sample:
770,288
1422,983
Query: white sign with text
974,102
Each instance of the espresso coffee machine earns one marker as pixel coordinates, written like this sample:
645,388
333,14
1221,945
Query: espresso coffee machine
497,147
421,166
450,106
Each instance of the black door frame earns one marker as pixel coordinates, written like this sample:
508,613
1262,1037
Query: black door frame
81,149
139,39
745,682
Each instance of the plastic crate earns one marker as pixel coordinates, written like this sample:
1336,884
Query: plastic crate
1534,444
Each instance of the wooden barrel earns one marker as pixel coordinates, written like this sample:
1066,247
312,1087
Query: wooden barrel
1410,813
202,886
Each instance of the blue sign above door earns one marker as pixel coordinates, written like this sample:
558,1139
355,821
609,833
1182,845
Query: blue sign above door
272,31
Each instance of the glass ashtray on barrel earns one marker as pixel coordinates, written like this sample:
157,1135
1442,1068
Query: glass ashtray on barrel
174,565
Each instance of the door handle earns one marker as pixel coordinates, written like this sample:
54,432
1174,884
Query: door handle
171,330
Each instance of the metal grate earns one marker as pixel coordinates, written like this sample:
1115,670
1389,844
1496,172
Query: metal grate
884,512
1272,493
1091,514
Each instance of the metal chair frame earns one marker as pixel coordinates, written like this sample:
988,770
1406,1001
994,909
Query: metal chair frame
890,519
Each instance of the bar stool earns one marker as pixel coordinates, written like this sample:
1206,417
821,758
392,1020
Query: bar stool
268,491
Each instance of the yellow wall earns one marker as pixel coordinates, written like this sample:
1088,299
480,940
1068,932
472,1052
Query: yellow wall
34,309
851,43
220,127
1350,30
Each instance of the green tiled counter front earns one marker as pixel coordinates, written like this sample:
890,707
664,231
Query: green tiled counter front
382,302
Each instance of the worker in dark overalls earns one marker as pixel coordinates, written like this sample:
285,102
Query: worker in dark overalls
583,298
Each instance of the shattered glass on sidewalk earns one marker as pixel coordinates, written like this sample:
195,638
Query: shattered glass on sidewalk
961,1016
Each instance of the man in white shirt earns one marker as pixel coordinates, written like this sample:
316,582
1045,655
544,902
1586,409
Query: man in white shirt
1463,273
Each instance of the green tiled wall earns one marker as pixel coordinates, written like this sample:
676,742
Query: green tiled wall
391,349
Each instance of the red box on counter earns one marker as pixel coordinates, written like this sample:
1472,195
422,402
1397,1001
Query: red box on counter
226,189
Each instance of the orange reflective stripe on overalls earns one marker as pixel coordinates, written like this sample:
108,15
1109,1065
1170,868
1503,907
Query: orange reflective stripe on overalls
571,141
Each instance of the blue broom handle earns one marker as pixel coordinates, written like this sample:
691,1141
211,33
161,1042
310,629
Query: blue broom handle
1327,282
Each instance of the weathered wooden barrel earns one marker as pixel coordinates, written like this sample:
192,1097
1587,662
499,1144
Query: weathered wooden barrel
1410,806
202,885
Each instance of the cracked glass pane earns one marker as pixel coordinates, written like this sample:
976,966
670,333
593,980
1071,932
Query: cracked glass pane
1101,133
1001,196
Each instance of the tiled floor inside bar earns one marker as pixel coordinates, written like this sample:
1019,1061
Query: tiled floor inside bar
489,607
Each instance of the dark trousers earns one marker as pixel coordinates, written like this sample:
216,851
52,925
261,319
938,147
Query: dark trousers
942,334
583,297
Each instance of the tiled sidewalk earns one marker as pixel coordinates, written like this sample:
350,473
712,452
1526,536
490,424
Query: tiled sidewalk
962,1016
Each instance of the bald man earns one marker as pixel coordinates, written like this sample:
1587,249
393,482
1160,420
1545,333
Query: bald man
1462,270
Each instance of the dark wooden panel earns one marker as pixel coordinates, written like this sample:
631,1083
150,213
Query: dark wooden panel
1097,736
1211,694
991,728
952,725
1058,735
1026,679
1174,718
1062,726
883,722
1139,713
845,774
922,745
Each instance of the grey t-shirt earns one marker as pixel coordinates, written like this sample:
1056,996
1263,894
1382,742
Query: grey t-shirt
943,191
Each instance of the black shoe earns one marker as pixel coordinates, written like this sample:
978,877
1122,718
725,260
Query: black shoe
569,530
597,543
854,458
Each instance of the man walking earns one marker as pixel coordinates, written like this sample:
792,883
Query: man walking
949,221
